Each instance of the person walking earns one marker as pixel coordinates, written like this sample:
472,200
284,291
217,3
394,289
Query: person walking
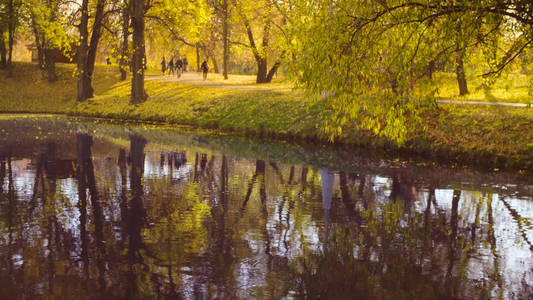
205,68
185,64
179,67
163,66
171,67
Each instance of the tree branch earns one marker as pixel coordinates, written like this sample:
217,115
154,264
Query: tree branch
505,62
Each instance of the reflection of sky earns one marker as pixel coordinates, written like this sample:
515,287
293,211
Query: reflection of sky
381,188
69,218
443,198
153,169
514,257
514,252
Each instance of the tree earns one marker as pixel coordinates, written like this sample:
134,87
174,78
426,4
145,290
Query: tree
3,51
459,63
260,52
9,20
138,63
49,59
87,50
39,43
50,32
124,51
178,18
225,36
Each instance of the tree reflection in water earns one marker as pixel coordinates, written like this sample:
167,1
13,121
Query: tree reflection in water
80,222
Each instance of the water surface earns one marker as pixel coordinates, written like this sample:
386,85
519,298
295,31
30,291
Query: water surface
91,210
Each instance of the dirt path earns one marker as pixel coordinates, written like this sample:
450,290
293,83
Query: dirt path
195,78
451,101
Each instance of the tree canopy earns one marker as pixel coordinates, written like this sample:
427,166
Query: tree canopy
363,58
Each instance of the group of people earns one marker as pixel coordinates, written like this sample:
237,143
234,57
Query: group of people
177,65
180,65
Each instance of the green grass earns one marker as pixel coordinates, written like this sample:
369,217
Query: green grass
492,136
508,88
257,112
29,91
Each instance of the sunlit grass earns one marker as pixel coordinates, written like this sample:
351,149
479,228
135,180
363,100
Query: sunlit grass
29,91
235,110
508,88
497,133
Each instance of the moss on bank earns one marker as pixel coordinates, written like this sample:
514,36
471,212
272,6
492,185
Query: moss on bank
492,136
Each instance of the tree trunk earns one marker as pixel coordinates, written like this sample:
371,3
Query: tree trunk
459,64
49,59
124,57
85,90
460,72
225,37
40,52
262,58
431,69
50,64
86,51
11,31
95,38
3,52
261,70
138,94
197,57
274,69
39,43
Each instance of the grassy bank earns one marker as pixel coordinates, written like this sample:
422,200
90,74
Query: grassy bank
508,88
492,136
28,90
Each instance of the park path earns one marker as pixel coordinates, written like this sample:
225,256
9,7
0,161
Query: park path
451,101
195,78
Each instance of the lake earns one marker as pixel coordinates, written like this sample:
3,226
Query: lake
91,209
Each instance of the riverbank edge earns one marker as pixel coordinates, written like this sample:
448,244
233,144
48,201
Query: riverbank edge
418,148
484,161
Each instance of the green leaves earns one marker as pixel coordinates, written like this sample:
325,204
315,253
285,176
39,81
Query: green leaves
49,19
363,59
363,71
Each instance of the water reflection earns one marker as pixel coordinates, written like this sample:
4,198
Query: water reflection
94,218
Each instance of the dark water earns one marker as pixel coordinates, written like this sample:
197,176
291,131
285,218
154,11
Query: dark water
100,211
